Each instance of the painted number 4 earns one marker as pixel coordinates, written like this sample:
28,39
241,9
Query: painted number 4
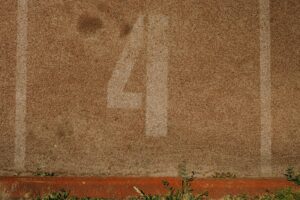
157,74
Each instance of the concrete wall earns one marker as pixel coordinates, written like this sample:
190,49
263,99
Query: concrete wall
133,88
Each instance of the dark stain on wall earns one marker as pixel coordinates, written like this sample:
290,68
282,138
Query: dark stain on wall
117,16
65,129
89,25
125,30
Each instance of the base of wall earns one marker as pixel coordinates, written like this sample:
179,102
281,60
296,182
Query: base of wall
121,187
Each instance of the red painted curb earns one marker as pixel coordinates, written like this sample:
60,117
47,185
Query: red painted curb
121,187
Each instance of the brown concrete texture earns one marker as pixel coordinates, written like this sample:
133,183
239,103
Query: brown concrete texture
213,87
8,29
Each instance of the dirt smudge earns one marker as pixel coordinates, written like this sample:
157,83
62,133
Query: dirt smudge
125,30
89,25
117,16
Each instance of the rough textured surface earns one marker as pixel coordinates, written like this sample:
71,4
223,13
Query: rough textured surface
286,84
213,83
7,83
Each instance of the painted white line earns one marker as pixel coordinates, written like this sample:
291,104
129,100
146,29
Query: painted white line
157,77
265,88
21,79
116,97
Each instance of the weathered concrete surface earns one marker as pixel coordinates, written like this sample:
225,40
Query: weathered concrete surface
213,88
7,83
286,84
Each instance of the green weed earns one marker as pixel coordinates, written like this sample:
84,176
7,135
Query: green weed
291,175
185,192
283,194
64,195
39,172
224,175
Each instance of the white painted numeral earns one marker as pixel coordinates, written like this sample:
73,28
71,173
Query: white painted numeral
116,98
157,74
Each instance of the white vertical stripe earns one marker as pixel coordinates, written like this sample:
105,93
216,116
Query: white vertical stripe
21,70
157,77
265,88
